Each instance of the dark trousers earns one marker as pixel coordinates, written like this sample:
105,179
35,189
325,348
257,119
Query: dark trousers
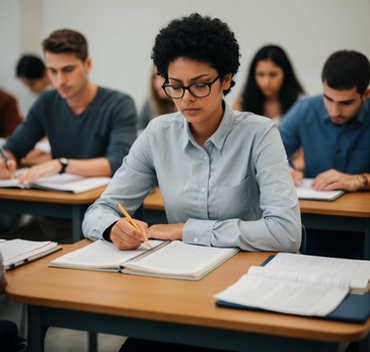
9,340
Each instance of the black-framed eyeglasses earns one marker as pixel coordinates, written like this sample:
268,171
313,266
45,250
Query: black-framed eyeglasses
199,90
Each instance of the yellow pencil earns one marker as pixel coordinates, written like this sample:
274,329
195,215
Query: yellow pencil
132,222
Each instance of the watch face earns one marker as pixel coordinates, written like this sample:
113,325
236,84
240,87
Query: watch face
63,161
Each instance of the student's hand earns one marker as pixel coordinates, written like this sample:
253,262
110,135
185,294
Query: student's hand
296,175
333,179
125,236
6,170
49,168
166,231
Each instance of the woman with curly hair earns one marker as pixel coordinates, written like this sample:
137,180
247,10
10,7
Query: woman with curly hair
223,174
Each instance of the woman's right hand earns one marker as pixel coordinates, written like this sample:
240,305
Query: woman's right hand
125,237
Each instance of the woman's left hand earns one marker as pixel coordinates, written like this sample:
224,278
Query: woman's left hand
166,231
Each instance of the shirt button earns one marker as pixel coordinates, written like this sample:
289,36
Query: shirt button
338,150
195,240
205,158
203,189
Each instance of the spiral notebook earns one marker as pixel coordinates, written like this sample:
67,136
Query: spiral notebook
169,259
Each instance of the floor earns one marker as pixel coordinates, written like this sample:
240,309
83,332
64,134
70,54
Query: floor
57,339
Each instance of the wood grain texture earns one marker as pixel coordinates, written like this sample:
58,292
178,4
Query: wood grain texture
356,204
167,300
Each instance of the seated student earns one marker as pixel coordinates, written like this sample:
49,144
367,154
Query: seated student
32,72
334,131
271,88
223,174
90,128
10,117
157,104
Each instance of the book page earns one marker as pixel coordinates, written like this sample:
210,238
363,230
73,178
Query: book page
99,255
312,278
70,183
18,249
357,271
305,191
181,259
284,297
63,183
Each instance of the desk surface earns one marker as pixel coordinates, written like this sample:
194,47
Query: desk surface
355,204
36,195
153,298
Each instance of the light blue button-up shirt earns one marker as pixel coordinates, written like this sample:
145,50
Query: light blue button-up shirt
235,191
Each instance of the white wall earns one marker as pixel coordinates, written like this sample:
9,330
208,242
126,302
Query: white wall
121,34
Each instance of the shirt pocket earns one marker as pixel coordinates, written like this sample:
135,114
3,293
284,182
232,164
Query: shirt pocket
233,202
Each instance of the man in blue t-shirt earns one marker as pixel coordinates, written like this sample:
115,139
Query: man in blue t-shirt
90,128
334,131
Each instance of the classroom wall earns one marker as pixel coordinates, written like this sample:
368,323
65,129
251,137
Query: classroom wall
121,34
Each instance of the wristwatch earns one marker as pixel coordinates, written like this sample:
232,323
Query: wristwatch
363,179
64,163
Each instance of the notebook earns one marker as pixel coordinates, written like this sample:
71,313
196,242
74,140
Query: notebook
58,183
304,285
170,259
305,191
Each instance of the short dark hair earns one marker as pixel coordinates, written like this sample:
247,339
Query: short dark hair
31,67
253,99
198,38
347,69
66,40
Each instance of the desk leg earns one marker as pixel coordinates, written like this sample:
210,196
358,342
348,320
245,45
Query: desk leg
78,212
36,332
367,239
93,342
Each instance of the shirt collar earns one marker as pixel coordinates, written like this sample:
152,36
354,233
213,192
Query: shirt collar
219,137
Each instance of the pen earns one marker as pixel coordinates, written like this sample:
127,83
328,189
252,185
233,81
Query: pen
291,164
3,154
132,222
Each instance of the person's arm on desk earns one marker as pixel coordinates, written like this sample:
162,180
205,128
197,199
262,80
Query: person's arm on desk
90,167
333,179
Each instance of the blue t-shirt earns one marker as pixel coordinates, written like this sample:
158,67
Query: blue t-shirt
345,148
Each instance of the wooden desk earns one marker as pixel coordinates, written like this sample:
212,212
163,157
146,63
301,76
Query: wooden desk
350,212
167,310
53,204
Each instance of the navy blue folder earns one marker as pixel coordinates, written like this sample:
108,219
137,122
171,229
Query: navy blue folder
353,309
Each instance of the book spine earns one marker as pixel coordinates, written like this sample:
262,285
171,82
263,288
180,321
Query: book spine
149,252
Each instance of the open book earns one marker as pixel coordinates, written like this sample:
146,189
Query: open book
18,252
299,284
61,183
305,191
166,259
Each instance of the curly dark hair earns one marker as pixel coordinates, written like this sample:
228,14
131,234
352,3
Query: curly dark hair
197,38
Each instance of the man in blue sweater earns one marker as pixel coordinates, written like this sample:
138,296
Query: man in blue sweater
90,128
334,131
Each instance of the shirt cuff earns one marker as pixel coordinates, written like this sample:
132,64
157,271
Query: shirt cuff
198,232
